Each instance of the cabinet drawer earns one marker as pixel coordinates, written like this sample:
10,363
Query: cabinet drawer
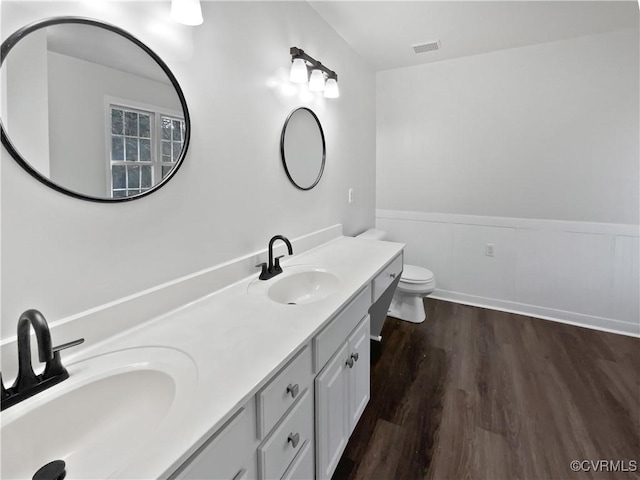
386,277
333,336
302,467
229,453
277,451
278,396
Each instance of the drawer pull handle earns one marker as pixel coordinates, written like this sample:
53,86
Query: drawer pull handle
293,390
355,356
350,361
393,275
294,439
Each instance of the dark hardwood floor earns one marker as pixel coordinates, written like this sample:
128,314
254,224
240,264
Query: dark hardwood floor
477,394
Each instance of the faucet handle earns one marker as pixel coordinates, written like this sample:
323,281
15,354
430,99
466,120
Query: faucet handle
263,274
68,345
276,264
54,367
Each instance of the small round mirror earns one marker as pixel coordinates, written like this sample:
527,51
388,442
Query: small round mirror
302,148
90,110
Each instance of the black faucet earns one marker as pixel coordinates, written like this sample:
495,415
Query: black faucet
274,267
28,383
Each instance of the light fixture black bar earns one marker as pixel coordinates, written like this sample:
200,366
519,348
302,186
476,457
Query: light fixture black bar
299,53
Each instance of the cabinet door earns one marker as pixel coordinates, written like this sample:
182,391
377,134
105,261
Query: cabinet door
359,380
332,413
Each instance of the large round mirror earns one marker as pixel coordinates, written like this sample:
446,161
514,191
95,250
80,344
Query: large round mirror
90,110
302,148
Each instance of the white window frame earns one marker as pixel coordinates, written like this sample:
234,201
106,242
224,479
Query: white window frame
156,138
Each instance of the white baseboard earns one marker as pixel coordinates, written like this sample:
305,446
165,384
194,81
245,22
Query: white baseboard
571,318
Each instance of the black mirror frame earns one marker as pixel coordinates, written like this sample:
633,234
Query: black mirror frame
15,37
324,148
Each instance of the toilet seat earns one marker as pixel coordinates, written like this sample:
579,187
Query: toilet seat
414,274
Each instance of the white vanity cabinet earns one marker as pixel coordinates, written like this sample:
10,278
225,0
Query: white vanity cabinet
298,424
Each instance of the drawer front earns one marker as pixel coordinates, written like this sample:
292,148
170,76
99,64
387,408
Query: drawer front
277,451
386,277
229,453
287,386
302,467
333,336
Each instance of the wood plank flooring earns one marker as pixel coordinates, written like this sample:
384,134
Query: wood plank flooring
477,394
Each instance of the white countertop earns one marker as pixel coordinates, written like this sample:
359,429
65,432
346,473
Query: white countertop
237,340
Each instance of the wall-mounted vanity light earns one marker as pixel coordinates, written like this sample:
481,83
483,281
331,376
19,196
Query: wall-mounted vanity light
302,64
187,12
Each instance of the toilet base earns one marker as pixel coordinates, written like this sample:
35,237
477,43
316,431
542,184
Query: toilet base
409,308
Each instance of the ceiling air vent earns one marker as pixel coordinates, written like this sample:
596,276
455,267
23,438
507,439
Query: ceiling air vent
426,46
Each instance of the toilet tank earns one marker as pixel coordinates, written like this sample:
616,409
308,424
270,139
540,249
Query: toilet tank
373,234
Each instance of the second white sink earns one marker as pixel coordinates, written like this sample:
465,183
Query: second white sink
298,285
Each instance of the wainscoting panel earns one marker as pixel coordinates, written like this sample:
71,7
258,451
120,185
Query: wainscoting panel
566,271
626,279
581,273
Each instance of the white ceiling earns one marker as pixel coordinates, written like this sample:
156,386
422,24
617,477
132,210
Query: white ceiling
382,32
101,46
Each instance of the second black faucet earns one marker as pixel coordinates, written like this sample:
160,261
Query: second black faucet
274,268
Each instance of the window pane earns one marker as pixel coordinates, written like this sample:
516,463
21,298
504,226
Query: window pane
131,193
145,150
119,193
117,148
177,147
165,171
166,128
133,176
146,176
131,124
117,121
145,126
119,175
166,148
132,150
177,130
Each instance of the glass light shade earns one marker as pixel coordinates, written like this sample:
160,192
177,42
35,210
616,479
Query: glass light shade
298,71
316,82
187,12
331,88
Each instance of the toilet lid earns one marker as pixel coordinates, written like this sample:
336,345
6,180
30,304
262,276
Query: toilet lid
415,274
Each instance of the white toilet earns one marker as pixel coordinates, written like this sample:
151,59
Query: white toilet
415,283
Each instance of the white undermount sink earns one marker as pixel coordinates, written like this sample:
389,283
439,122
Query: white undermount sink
96,419
298,285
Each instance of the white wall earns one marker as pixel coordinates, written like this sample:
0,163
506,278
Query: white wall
26,120
77,111
63,255
534,150
547,131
